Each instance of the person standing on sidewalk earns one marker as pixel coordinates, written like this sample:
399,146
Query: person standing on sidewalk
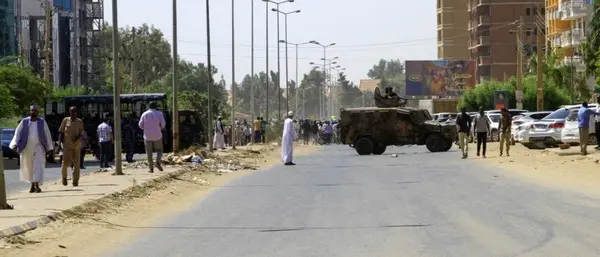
463,122
583,122
504,127
482,129
105,140
71,131
152,122
219,137
32,140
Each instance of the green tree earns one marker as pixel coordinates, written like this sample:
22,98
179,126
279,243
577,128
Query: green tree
391,74
24,87
483,95
309,93
348,94
150,52
591,48
7,102
563,76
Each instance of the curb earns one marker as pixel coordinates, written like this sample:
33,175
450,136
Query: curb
31,225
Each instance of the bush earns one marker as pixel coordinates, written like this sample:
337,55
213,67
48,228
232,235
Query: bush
483,94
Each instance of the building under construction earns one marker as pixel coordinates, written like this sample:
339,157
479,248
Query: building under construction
71,52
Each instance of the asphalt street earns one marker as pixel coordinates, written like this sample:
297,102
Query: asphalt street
335,203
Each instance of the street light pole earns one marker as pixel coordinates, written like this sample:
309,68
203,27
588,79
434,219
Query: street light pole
175,91
116,89
252,112
297,82
233,125
322,113
209,76
285,14
267,58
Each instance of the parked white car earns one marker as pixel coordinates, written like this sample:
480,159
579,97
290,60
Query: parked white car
524,119
494,124
546,132
570,134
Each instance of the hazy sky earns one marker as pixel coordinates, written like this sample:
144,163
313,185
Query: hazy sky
364,31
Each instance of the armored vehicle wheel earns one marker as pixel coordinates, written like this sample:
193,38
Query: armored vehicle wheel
436,143
379,149
364,146
447,146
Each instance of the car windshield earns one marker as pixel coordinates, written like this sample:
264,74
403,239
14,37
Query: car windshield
494,118
421,115
559,114
572,115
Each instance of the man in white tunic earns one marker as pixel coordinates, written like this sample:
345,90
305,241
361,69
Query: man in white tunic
219,138
287,140
32,140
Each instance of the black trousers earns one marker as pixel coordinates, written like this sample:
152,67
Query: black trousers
105,154
597,128
481,139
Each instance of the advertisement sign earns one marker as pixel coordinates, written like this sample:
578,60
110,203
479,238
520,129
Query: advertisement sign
500,99
439,77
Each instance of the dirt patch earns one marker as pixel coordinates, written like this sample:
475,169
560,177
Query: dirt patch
555,168
93,229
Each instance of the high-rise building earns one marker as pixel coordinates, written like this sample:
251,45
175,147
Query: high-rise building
7,28
452,36
492,35
566,22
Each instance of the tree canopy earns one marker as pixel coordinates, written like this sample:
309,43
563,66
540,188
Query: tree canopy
391,74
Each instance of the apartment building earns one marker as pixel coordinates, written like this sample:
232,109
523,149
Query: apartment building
7,28
566,22
452,36
492,30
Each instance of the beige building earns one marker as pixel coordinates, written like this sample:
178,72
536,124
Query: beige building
492,38
452,34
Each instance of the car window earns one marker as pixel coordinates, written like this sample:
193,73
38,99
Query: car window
7,135
572,115
494,118
538,116
559,114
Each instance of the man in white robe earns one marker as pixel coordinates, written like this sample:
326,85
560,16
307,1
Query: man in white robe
287,140
219,138
32,140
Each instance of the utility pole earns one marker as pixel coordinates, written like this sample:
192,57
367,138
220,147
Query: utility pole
209,72
233,121
297,85
175,91
278,69
47,38
540,70
133,59
267,58
116,89
287,70
519,93
3,204
252,108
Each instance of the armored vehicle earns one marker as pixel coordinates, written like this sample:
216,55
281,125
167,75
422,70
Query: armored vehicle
371,129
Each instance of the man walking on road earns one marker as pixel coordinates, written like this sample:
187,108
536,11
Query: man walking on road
71,131
482,128
104,139
287,140
32,140
152,122
504,127
583,122
463,122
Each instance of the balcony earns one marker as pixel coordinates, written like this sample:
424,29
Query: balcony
484,60
576,61
477,3
556,42
445,42
484,20
572,38
484,40
573,10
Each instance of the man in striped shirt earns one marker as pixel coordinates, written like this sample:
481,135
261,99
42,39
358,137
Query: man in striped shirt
104,139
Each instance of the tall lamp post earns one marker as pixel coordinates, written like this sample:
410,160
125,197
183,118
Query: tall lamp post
252,108
278,51
338,69
324,64
297,82
175,89
327,69
324,69
233,125
287,98
116,89
209,75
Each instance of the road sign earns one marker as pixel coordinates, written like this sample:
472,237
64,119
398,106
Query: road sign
500,99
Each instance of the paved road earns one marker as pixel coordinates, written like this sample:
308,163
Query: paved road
335,203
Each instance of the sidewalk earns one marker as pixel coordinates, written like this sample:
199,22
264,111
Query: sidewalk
31,210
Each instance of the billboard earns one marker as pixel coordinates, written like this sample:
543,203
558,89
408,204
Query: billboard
439,77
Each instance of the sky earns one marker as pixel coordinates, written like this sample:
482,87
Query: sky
363,32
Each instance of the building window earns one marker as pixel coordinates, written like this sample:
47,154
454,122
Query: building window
528,11
439,4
